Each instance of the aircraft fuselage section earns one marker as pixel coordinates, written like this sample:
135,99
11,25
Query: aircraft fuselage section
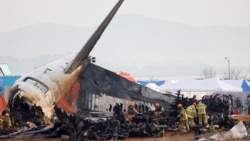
44,86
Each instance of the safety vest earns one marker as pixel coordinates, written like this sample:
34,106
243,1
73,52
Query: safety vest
201,108
191,111
183,115
6,122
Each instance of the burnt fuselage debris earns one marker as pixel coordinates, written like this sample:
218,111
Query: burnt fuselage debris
99,117
96,90
88,124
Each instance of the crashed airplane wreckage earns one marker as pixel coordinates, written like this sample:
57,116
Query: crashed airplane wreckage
72,92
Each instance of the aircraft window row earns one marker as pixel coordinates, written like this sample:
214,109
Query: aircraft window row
140,107
41,86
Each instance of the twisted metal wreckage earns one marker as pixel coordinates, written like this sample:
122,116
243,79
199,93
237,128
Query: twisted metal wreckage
88,101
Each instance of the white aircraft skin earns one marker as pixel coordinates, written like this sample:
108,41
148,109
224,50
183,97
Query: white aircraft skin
51,85
45,86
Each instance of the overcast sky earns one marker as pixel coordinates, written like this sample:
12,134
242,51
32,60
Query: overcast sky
85,13
88,13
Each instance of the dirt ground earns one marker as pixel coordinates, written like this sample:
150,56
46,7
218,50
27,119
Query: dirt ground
167,137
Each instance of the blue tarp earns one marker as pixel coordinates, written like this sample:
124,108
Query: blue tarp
7,81
245,85
144,83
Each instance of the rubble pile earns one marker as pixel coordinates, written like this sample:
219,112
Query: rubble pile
100,126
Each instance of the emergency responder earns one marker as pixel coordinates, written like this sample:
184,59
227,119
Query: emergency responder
131,111
201,113
183,118
191,114
158,110
6,119
158,107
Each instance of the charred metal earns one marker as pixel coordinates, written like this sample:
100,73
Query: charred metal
103,126
75,99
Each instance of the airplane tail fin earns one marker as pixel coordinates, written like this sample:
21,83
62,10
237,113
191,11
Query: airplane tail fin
82,56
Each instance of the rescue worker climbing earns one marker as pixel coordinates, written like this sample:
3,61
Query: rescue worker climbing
158,110
131,111
183,118
191,114
201,113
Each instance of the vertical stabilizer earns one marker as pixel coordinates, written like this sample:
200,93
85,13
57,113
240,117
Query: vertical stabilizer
82,56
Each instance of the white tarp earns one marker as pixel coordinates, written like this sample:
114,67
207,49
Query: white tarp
153,86
211,85
236,83
239,131
167,87
199,88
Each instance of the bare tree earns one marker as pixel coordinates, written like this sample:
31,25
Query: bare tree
208,72
237,73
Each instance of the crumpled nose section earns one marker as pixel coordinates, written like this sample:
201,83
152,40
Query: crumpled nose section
68,101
